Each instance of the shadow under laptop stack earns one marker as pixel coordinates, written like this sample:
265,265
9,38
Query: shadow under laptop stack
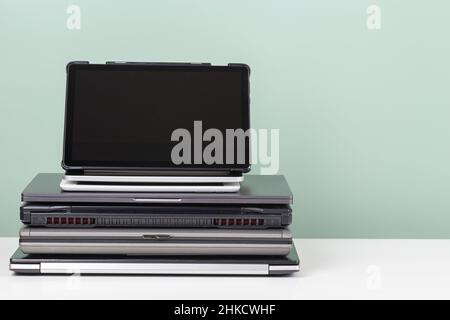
243,232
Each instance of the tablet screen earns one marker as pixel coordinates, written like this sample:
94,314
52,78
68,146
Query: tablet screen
121,115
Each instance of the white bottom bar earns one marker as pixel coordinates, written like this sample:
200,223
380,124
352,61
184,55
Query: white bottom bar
153,268
79,186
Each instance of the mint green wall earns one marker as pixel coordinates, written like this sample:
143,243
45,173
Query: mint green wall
364,114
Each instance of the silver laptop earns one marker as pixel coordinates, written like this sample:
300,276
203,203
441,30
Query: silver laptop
22,263
155,241
187,179
100,186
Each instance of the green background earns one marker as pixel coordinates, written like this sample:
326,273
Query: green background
363,114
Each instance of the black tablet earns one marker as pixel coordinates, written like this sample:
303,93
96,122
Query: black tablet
157,116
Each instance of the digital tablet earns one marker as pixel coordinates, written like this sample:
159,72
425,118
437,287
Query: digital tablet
156,117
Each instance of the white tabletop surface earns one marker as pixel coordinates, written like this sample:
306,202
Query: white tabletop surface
343,269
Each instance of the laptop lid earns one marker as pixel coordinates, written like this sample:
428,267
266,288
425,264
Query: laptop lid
154,117
255,189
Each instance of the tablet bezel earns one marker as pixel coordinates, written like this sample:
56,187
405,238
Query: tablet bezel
70,165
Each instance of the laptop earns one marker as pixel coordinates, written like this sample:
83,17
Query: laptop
255,189
155,241
93,215
22,263
156,127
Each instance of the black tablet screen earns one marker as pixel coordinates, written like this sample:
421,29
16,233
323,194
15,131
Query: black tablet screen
125,115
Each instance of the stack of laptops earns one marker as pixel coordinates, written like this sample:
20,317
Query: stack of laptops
207,233
131,200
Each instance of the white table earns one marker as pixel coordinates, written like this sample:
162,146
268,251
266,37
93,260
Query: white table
361,269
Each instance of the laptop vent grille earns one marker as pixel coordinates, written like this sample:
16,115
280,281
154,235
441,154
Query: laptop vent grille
160,222
70,221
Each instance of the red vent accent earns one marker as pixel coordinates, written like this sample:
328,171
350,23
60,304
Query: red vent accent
77,220
261,222
56,220
71,220
231,222
246,222
238,222
49,220
253,222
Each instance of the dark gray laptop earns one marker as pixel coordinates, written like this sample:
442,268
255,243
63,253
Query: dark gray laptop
123,215
255,189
